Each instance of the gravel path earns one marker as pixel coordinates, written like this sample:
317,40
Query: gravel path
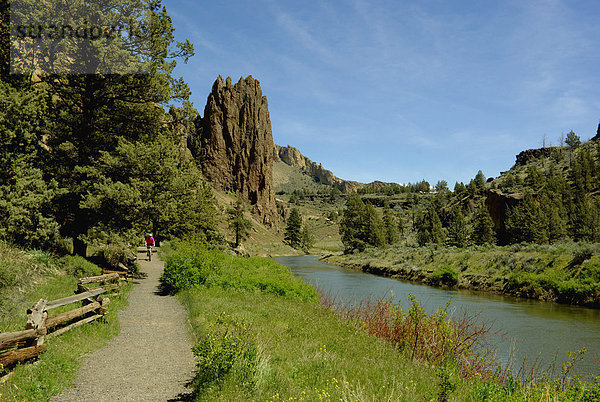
151,358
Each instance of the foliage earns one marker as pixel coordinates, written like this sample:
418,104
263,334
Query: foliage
293,230
361,226
563,272
238,222
307,238
228,348
79,267
429,227
96,152
391,225
445,275
573,140
191,265
483,228
458,234
25,209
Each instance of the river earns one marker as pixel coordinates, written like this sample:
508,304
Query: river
536,331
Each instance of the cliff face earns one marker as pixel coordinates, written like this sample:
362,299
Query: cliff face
498,205
291,156
234,144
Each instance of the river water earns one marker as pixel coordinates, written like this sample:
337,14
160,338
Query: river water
541,333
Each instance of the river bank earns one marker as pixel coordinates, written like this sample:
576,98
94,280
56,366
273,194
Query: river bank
565,273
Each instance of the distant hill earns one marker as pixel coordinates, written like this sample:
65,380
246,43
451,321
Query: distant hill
294,171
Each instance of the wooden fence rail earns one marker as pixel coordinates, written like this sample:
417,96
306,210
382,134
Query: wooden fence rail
27,344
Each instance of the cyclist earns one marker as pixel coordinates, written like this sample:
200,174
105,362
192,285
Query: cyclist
149,241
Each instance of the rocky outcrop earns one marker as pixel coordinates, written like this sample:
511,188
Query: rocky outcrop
530,154
234,144
291,156
498,205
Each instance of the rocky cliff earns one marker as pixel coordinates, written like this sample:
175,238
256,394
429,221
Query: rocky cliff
292,156
233,144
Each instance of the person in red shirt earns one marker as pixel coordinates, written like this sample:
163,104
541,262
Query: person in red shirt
149,241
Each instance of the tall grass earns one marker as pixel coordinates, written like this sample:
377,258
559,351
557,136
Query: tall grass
191,264
432,338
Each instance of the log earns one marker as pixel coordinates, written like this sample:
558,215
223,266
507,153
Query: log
75,298
69,315
82,289
120,273
11,339
74,325
98,279
9,358
36,314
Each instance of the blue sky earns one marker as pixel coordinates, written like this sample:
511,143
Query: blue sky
405,90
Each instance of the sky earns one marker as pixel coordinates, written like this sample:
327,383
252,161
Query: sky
401,90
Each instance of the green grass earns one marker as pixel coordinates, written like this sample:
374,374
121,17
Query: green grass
190,265
253,344
36,275
305,352
551,273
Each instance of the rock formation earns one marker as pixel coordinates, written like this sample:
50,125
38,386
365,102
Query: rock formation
292,156
530,154
234,144
498,205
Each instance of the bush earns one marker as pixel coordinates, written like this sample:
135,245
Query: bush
191,264
111,255
445,275
79,267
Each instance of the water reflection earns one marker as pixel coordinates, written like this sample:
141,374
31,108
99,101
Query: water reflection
534,330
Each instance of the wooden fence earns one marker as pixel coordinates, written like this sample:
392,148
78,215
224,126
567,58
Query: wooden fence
27,344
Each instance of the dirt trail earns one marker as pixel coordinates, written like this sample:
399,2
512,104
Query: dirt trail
150,360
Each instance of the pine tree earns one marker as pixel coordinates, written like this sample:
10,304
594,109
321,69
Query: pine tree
573,140
238,223
480,181
483,230
307,238
353,223
526,222
293,230
88,114
429,228
375,233
391,226
458,234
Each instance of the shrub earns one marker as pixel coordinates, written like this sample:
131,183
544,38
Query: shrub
191,264
79,267
445,275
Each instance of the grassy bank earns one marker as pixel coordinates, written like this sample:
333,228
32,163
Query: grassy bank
565,273
253,343
25,277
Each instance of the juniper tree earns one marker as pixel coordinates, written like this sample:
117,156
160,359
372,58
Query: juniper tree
391,225
429,228
307,238
293,230
238,223
88,114
483,227
458,234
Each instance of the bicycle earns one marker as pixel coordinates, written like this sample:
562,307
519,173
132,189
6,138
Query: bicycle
149,252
